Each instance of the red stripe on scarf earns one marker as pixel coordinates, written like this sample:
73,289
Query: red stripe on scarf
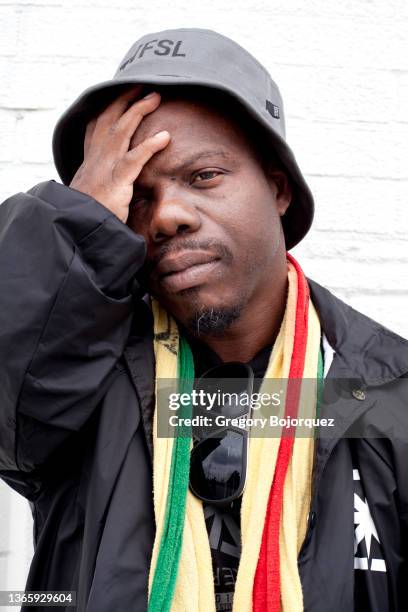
266,591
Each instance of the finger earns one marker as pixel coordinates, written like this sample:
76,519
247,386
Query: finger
127,125
122,101
90,128
116,108
120,133
131,164
141,107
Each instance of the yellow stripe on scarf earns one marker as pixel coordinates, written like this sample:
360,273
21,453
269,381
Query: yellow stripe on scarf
194,590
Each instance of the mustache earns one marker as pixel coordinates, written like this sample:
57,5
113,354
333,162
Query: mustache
210,245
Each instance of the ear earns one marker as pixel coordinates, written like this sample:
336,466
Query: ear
280,184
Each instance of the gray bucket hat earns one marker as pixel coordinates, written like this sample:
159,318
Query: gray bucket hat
194,57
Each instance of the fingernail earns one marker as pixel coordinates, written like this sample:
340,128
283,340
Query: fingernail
161,135
150,95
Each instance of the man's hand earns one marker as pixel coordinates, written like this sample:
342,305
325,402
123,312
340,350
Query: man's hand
109,168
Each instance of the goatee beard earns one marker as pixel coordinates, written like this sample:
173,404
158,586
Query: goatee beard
213,321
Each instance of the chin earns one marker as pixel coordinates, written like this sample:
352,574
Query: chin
204,313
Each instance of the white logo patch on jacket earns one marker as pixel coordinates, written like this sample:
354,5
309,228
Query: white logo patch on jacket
367,545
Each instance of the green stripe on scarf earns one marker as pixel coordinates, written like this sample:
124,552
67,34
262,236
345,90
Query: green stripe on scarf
168,559
320,384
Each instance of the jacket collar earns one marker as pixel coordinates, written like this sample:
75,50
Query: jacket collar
364,349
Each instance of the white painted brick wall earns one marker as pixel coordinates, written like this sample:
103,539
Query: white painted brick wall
342,68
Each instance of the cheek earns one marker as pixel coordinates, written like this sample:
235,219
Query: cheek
254,223
138,223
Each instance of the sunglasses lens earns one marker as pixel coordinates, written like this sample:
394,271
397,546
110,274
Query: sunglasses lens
217,467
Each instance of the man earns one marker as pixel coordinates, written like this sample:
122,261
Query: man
194,195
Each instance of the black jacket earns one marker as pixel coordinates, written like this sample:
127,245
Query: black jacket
77,395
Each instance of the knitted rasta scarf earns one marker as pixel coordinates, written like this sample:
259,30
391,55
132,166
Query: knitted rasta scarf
276,498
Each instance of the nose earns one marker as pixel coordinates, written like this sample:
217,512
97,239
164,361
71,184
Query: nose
172,214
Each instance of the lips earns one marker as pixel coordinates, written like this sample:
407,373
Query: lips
182,261
186,270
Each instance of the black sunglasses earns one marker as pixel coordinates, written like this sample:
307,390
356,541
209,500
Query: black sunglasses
218,460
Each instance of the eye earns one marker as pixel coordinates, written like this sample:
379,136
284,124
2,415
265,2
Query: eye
205,175
137,202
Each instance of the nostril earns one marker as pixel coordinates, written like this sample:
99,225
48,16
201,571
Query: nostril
182,228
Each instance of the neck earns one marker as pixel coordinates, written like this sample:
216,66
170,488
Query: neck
258,324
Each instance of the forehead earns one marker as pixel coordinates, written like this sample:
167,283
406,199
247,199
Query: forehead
189,122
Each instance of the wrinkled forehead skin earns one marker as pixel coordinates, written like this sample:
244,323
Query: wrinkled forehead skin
207,107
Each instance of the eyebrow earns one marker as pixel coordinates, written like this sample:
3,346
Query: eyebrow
189,161
200,155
